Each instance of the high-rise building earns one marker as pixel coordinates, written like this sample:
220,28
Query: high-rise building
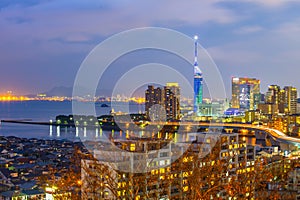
281,101
167,97
172,101
290,99
153,96
276,96
273,94
245,93
198,83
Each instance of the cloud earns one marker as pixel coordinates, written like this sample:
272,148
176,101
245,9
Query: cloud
275,45
233,54
272,56
60,18
49,28
76,38
268,3
249,29
45,24
289,28
20,3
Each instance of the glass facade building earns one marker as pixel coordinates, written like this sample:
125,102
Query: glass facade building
245,93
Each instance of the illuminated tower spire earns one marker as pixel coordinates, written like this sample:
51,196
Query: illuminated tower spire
196,51
198,81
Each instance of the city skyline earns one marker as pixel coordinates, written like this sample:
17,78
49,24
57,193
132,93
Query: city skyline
259,39
149,99
139,93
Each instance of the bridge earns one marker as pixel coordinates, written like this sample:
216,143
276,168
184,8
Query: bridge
263,135
249,129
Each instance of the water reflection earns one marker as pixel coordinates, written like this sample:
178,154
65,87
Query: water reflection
98,134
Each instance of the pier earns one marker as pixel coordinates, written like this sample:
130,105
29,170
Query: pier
29,122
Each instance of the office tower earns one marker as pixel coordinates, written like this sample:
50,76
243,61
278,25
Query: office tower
168,97
290,99
198,83
245,93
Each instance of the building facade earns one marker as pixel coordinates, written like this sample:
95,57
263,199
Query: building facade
166,98
279,101
276,96
245,93
172,101
214,109
290,97
153,96
151,169
273,94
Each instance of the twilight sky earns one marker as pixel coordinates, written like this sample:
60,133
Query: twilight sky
43,42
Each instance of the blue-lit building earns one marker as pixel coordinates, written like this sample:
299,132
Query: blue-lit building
198,83
233,112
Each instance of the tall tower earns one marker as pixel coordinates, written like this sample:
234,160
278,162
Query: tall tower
198,82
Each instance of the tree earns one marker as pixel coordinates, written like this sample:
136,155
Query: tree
65,183
218,169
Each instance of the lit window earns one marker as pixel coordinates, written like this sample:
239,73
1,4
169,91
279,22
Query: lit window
132,147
